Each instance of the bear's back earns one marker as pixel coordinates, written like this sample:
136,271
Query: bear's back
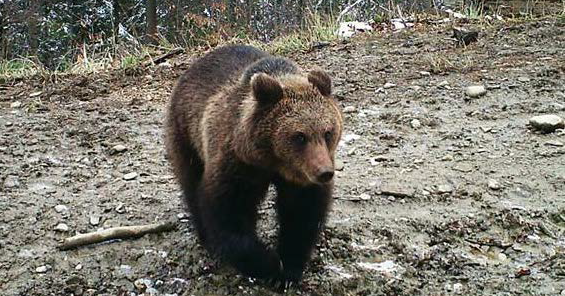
217,69
206,77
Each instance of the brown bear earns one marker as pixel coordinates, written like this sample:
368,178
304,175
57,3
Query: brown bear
239,120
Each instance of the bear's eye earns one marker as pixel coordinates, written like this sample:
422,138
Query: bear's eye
299,139
328,136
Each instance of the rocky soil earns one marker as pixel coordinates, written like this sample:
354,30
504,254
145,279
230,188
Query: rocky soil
442,190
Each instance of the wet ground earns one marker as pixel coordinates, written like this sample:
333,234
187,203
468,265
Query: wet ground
439,194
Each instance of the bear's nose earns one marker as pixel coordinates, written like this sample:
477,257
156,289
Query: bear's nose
325,176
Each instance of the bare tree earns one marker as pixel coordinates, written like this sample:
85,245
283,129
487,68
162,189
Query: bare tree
151,18
32,26
116,19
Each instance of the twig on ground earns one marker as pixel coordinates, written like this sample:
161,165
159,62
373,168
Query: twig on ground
167,56
115,233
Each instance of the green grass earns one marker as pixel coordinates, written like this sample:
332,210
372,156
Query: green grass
130,62
19,68
561,17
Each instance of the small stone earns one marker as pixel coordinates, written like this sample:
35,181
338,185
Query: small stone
9,123
493,184
447,157
364,196
445,188
61,209
457,288
339,165
547,123
42,269
121,208
15,105
94,220
62,227
78,266
475,91
165,65
130,176
381,158
389,85
119,148
349,109
485,129
35,94
26,253
443,84
397,190
182,216
11,181
125,271
415,123
425,73
463,167
523,79
554,143
142,284
148,77
350,138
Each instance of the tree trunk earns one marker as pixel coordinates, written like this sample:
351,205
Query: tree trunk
151,18
32,28
3,53
116,16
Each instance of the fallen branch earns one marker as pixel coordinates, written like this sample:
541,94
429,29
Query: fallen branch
167,56
115,233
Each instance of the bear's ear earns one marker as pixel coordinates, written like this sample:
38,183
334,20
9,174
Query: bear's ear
266,89
321,81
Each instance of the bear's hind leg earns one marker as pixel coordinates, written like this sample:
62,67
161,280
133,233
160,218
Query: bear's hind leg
301,213
229,211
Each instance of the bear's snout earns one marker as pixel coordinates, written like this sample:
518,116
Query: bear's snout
322,168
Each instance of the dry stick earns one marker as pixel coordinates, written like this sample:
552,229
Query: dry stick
115,233
168,55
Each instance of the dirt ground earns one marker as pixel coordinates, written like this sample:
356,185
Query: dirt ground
439,193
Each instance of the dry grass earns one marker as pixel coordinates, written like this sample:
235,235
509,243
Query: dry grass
86,60
317,28
439,63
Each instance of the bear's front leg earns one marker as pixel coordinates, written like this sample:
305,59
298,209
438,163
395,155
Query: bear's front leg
301,213
228,206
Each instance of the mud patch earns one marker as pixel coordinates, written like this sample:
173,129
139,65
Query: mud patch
439,193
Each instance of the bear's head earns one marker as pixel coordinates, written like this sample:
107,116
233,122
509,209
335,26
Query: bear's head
295,125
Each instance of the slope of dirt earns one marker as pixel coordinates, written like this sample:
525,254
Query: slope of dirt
439,193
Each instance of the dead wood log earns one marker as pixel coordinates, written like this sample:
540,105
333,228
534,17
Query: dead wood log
115,233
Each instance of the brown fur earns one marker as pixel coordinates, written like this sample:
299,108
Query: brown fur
232,129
